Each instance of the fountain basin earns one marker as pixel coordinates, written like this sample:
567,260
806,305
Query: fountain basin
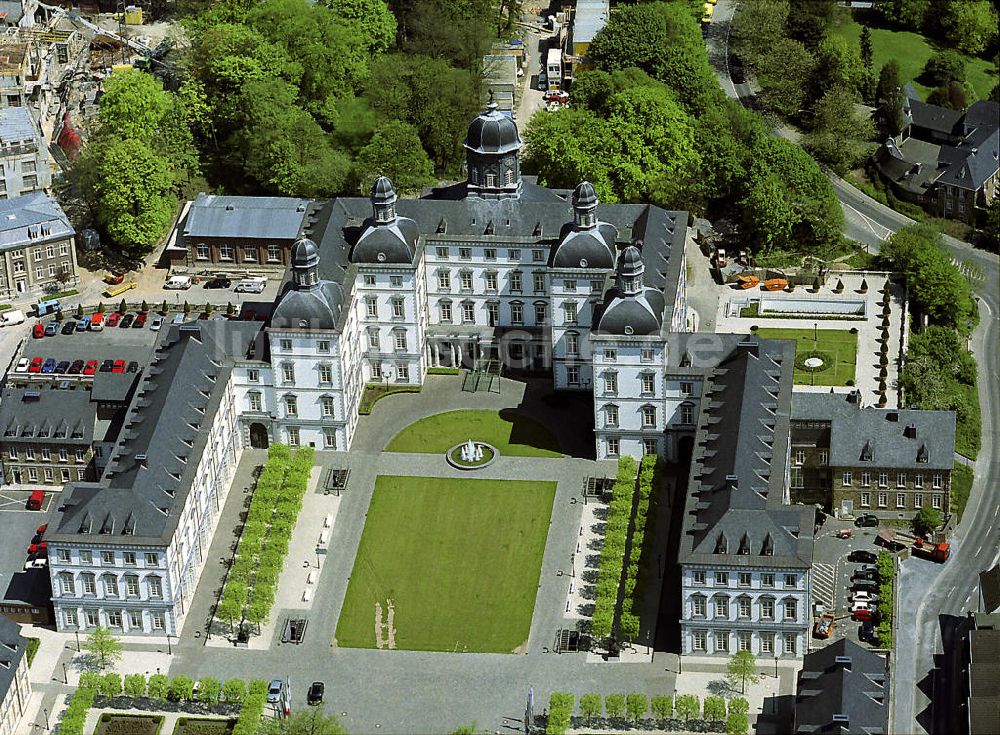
458,461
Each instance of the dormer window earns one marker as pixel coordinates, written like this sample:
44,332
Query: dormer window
721,544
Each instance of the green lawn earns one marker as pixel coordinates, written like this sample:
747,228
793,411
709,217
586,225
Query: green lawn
912,50
961,486
512,434
459,559
841,348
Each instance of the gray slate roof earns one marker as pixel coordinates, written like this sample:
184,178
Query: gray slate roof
37,213
984,673
975,158
843,679
147,481
17,126
13,647
989,585
262,218
590,18
883,429
113,387
64,416
739,458
932,117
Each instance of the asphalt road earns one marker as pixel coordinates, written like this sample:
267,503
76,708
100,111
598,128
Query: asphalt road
939,594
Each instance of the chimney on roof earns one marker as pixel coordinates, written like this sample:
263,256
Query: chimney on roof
892,416
910,432
732,481
843,661
141,460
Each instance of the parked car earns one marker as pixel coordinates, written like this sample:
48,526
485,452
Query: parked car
255,284
62,367
97,322
113,319
107,365
866,568
69,327
133,367
556,96
863,556
91,367
126,321
156,323
865,586
36,365
118,367
83,324
866,521
76,368
315,694
40,547
221,280
11,317
865,596
35,500
860,605
863,614
180,283
140,321
274,690
42,529
22,365
38,331
863,576
867,631
52,329
49,366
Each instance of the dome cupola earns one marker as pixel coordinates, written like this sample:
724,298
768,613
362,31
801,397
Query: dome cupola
305,263
383,200
630,270
492,145
585,206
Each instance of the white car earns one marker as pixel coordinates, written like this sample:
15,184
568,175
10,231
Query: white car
251,285
22,365
543,81
156,323
865,596
859,605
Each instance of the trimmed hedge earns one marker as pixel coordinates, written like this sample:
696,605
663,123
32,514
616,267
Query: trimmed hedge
252,710
609,569
75,716
560,711
33,645
886,568
252,581
641,551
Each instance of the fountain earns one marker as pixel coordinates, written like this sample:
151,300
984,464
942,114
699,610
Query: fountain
471,455
471,452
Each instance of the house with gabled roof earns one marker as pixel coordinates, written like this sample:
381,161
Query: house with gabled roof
842,688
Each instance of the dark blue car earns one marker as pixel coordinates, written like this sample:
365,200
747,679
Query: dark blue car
51,329
49,366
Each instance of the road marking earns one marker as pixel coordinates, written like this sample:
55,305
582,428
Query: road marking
823,585
870,223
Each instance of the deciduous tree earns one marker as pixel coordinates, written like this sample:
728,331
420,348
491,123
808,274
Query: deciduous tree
742,668
104,647
970,25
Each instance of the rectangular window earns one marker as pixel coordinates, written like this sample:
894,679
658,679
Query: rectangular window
69,618
824,456
744,607
516,314
538,256
135,620
722,641
155,585
32,474
648,416
157,620
900,479
89,584
573,375
444,280
201,251
791,581
329,438
721,607
273,253
698,606
866,500
369,280
152,560
325,373
64,475
614,447
767,580
800,456
900,500
766,608
326,403
538,280
491,281
572,344
513,254
399,339
110,586
611,415
610,355
86,557
744,579
91,617
129,558
515,282
687,388
492,314
936,501
848,479
790,644
107,557
225,252
866,479
648,383
569,309
743,640
254,400
539,313
883,500
293,436
936,481
698,577
610,383
371,307
465,253
646,354
402,372
249,254
918,500
918,480
63,556
285,344
442,251
698,640
323,345
569,284
398,309
114,618
490,253
445,309
650,446
596,286
373,338
132,586
376,368
468,313
722,579
68,587
288,372
253,375
883,479
12,452
766,642
396,281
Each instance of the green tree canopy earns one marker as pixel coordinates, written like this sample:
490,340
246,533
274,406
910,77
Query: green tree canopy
308,722
784,76
910,14
742,668
970,25
944,67
133,105
372,19
104,647
841,137
394,151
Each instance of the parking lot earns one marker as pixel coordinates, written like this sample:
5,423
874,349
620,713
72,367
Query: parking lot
832,572
17,529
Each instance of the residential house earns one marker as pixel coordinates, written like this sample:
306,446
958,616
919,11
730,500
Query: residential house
945,160
854,459
588,19
36,246
236,234
843,688
15,687
24,158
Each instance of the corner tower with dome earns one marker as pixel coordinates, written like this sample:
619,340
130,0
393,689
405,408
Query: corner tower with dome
383,288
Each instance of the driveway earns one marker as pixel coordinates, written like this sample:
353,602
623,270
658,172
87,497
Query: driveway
537,44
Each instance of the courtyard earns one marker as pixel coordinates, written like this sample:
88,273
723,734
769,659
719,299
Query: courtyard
513,434
835,349
447,565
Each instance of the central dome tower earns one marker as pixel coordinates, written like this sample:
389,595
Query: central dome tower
491,153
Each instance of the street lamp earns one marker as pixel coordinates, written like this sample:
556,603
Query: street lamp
46,713
170,651
77,640
775,664
65,675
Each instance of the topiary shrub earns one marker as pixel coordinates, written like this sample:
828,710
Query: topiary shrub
157,687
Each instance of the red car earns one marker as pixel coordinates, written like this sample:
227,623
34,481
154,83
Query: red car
42,529
863,614
42,547
557,96
36,499
91,367
113,319
36,365
118,367
38,331
140,320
